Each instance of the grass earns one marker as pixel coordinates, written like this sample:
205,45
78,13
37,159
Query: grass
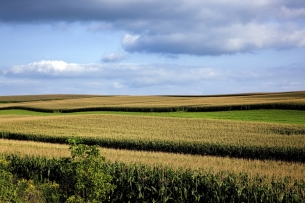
275,116
25,113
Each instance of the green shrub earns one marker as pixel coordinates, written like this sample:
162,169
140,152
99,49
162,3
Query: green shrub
83,174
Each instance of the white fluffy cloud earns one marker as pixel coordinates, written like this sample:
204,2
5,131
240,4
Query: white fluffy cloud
46,68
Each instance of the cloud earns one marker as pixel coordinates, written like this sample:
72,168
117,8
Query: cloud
153,78
114,57
117,85
133,74
54,77
48,69
220,40
211,27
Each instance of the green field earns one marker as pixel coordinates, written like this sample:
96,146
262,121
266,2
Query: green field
275,116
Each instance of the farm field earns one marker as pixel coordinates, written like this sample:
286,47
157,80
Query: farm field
31,98
247,133
148,128
208,163
272,115
261,135
163,103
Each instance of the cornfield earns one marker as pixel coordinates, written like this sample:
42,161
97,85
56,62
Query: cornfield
178,135
140,183
290,100
183,161
240,161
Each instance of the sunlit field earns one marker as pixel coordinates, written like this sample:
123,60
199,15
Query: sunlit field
250,141
81,102
207,163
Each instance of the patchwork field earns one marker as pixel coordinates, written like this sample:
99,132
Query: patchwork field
157,103
262,115
148,128
264,137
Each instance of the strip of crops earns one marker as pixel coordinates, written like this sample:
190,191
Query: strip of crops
31,98
284,106
274,116
189,136
140,183
239,151
208,163
292,100
158,129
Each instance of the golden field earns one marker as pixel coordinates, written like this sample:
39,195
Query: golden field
31,98
159,129
83,101
146,128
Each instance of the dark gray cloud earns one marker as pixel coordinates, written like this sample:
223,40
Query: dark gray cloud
212,11
211,27
75,10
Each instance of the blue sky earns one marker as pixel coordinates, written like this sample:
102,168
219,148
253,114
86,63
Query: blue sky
151,47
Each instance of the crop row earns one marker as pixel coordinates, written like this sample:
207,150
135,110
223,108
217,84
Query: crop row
140,183
285,106
31,98
185,161
238,151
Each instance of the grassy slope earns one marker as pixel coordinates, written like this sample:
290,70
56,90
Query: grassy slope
277,116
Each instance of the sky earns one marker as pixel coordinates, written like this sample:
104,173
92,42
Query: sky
151,47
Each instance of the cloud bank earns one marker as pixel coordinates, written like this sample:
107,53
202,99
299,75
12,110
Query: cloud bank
211,27
133,74
147,79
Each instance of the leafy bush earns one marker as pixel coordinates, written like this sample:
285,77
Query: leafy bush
80,178
13,190
83,174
